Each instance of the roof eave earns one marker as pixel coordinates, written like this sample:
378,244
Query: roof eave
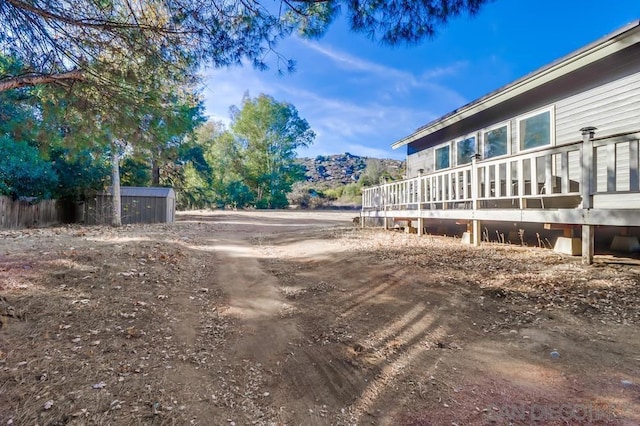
612,43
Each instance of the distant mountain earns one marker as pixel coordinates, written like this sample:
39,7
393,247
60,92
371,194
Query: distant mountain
341,169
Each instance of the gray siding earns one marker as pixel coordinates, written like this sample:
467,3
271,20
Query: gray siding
421,160
605,94
138,205
613,108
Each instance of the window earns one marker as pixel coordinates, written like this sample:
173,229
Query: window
535,130
442,157
465,149
496,142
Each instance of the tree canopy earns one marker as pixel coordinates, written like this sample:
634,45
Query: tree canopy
82,79
66,41
269,133
69,135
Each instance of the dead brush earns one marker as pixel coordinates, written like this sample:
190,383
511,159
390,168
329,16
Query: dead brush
291,293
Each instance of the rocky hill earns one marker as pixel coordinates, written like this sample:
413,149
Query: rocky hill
341,169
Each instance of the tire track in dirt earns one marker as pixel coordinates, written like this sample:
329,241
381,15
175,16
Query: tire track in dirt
243,379
254,300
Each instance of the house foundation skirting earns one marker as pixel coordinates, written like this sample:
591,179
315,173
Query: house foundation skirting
586,219
608,217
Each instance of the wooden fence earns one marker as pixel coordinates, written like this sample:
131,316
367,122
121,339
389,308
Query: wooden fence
25,214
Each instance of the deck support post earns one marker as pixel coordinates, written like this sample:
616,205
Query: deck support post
476,232
588,232
386,223
420,226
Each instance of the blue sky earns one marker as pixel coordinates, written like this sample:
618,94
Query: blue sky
360,96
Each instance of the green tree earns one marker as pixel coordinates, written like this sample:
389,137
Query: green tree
23,172
81,173
351,193
270,132
374,171
224,153
135,171
192,189
168,112
27,117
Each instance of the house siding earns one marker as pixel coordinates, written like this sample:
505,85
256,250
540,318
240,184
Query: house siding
421,160
613,108
605,94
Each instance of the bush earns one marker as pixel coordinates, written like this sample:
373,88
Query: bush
23,172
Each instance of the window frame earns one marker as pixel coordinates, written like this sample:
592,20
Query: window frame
486,130
462,139
552,128
435,156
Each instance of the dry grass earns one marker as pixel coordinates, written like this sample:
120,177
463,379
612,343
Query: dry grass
129,326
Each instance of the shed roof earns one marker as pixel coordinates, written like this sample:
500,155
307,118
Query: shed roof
611,43
139,191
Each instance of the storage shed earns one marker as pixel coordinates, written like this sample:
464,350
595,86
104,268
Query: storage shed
138,205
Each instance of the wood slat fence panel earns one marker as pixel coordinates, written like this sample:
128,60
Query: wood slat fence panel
15,214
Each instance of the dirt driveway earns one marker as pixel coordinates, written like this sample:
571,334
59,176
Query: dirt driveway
299,318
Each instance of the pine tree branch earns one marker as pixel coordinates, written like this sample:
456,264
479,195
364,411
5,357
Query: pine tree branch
31,80
95,23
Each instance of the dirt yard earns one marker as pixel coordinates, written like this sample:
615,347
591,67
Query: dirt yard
300,318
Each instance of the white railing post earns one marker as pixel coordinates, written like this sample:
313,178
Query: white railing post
474,199
611,167
587,167
475,184
548,174
508,180
588,231
420,196
633,166
564,163
533,168
521,189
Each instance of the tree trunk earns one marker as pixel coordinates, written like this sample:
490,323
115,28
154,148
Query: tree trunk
116,212
155,171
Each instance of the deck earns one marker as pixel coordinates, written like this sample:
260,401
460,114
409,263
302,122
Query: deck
590,183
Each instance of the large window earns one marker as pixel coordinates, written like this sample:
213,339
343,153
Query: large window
496,142
535,130
465,149
442,157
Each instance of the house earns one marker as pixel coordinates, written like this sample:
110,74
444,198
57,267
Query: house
555,151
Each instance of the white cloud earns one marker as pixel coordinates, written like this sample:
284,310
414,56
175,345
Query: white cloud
356,64
452,69
360,106
402,78
226,87
340,123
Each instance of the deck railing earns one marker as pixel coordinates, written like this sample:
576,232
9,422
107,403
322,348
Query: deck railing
566,176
